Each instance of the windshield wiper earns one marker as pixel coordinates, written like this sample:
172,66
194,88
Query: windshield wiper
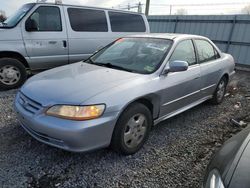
87,61
109,65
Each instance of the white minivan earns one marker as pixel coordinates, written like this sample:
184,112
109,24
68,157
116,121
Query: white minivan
41,36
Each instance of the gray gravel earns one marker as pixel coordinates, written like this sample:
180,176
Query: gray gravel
175,155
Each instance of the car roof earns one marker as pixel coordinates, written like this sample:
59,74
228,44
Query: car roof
171,36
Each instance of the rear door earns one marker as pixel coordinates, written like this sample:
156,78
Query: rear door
209,63
181,88
47,47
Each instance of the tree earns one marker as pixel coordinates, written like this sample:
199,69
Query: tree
246,10
181,11
2,16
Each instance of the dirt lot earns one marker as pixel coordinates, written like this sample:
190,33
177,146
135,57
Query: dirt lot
175,155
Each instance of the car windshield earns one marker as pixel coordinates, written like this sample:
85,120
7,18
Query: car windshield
139,55
17,16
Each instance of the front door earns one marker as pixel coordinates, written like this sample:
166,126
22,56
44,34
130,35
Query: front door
46,44
181,88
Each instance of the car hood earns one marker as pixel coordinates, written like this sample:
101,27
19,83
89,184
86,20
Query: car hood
241,174
73,84
10,34
224,159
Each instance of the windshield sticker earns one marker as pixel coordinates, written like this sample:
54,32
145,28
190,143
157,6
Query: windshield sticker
149,68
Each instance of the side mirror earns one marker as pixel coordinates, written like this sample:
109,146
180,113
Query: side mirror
178,66
31,25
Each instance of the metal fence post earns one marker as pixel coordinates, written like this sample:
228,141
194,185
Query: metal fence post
231,33
176,22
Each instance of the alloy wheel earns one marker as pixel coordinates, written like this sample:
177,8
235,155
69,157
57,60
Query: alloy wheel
221,90
135,130
9,75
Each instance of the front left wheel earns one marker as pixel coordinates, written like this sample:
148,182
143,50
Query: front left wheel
12,73
132,129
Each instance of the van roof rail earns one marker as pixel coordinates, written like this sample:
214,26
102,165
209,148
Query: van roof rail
59,2
45,1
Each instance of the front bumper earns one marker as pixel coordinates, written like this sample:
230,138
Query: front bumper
75,136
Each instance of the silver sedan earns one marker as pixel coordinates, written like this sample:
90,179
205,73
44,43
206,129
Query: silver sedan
119,93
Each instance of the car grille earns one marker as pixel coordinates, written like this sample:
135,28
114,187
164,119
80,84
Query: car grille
28,104
43,137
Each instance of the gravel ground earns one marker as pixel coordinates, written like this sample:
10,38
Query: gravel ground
175,155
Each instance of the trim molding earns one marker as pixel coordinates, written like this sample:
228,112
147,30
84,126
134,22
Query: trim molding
188,95
181,109
205,88
181,98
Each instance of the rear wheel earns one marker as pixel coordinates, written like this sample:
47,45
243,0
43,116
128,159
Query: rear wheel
220,91
132,129
12,73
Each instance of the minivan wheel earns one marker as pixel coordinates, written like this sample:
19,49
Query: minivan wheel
12,73
132,129
220,91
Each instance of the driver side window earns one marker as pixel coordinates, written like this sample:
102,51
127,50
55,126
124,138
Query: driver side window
184,52
46,18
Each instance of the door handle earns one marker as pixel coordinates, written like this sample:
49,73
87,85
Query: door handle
52,42
64,43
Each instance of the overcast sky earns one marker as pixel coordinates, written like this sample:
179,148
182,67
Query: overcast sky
157,6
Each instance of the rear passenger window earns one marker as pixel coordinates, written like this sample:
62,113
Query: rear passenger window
206,52
123,22
87,20
184,52
47,19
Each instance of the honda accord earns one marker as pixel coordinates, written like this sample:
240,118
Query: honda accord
117,95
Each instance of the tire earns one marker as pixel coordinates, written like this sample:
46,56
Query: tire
132,129
220,91
12,73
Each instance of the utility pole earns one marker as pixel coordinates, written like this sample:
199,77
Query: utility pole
170,11
140,7
147,7
128,6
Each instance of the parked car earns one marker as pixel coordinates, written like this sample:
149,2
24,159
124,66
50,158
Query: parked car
230,167
116,95
42,36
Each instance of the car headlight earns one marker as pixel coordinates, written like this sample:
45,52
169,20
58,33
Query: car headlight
214,180
78,113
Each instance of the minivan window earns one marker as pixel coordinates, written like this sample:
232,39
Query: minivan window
206,51
140,55
47,18
13,20
87,20
184,52
124,22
